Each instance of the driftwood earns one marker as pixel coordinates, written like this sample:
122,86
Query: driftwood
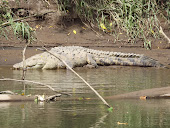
7,92
52,98
10,96
14,98
162,32
28,81
154,93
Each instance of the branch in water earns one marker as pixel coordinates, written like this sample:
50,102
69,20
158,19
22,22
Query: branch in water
28,81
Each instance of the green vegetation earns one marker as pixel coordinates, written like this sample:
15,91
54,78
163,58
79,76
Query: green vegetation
137,18
20,29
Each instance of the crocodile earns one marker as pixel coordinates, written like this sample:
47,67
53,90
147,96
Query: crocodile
76,56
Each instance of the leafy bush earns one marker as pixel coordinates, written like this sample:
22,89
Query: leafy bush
137,18
21,30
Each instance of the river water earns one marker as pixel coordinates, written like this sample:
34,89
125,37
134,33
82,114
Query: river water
87,114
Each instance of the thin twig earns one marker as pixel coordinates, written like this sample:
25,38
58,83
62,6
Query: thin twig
24,63
20,19
28,81
90,27
80,78
162,32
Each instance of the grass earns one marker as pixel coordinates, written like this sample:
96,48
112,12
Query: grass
137,18
21,30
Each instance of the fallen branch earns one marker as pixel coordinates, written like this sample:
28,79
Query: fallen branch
52,98
162,32
28,81
20,19
80,78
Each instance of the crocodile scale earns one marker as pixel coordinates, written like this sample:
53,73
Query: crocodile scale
76,56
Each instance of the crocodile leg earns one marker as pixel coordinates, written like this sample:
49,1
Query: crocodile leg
91,62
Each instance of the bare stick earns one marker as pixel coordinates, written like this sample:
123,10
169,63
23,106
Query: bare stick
80,78
162,32
24,63
28,81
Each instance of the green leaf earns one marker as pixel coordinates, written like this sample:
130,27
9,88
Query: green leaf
80,98
16,29
8,14
36,100
23,30
110,109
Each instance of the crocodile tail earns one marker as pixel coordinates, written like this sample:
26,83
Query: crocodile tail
151,62
159,65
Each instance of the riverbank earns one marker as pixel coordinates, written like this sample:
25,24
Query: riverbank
52,33
79,35
57,28
12,55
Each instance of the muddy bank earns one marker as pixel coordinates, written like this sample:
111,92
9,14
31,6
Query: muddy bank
10,56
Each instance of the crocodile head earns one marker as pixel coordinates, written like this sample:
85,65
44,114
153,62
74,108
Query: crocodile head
37,61
40,61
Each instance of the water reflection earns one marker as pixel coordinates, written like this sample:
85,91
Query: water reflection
137,114
87,114
108,81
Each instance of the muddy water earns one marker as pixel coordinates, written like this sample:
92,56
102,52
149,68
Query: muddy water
87,114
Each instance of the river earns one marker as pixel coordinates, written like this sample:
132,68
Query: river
108,81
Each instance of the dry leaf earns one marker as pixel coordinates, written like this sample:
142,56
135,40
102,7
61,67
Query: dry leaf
88,98
102,26
84,28
74,31
50,26
143,97
121,123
